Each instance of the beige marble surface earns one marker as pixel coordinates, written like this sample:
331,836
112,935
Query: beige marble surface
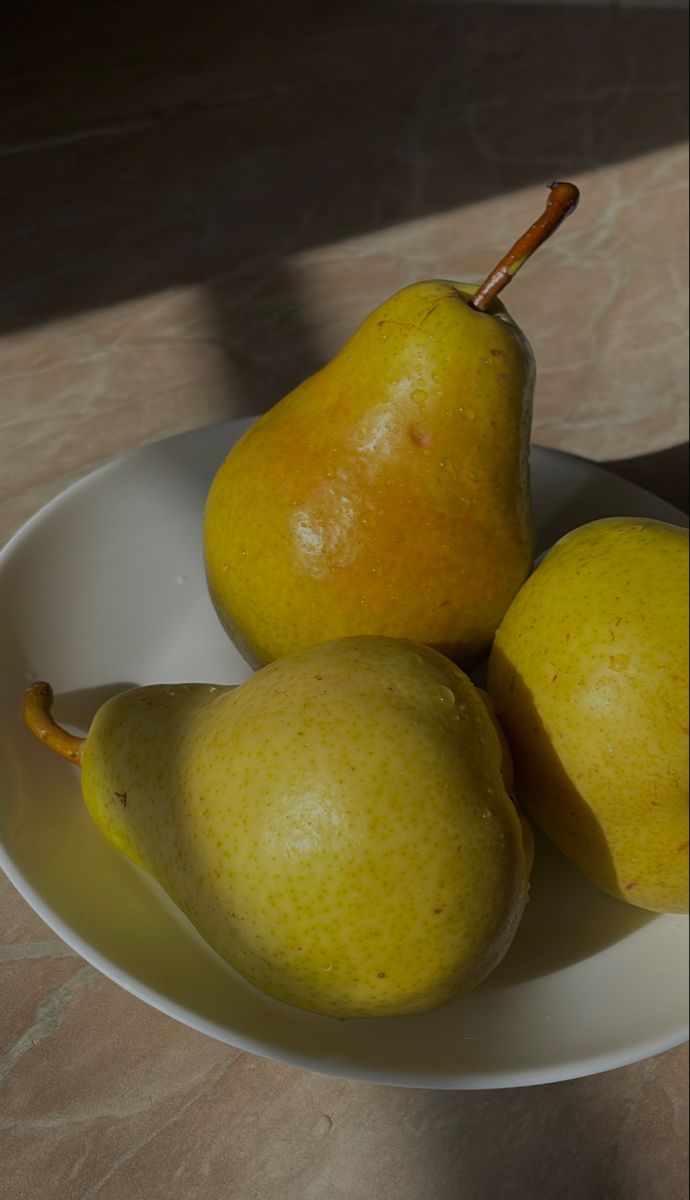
196,211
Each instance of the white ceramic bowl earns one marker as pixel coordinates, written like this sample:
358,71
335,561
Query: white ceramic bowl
104,589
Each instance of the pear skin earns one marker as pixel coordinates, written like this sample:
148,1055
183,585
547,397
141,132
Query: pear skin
337,827
389,493
589,677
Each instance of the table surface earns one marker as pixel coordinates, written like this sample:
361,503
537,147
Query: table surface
196,215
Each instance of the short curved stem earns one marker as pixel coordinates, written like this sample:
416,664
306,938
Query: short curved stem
37,708
563,199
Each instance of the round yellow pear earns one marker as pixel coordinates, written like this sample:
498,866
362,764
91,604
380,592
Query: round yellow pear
589,677
337,827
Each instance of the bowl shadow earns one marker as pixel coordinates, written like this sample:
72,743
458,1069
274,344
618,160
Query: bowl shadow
567,920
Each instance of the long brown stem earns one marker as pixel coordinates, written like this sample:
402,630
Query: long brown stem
38,704
563,198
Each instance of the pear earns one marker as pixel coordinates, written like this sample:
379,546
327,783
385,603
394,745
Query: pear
589,676
389,493
337,827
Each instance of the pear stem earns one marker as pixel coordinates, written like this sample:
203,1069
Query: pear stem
563,199
38,704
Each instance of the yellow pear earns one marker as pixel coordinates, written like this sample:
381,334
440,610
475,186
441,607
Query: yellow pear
389,493
589,676
337,827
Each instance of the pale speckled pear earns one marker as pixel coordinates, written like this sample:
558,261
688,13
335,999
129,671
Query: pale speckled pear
337,827
389,493
589,676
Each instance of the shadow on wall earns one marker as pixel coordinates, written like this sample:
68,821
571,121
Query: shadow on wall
153,148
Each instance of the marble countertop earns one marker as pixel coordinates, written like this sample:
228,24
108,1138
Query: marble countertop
196,213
